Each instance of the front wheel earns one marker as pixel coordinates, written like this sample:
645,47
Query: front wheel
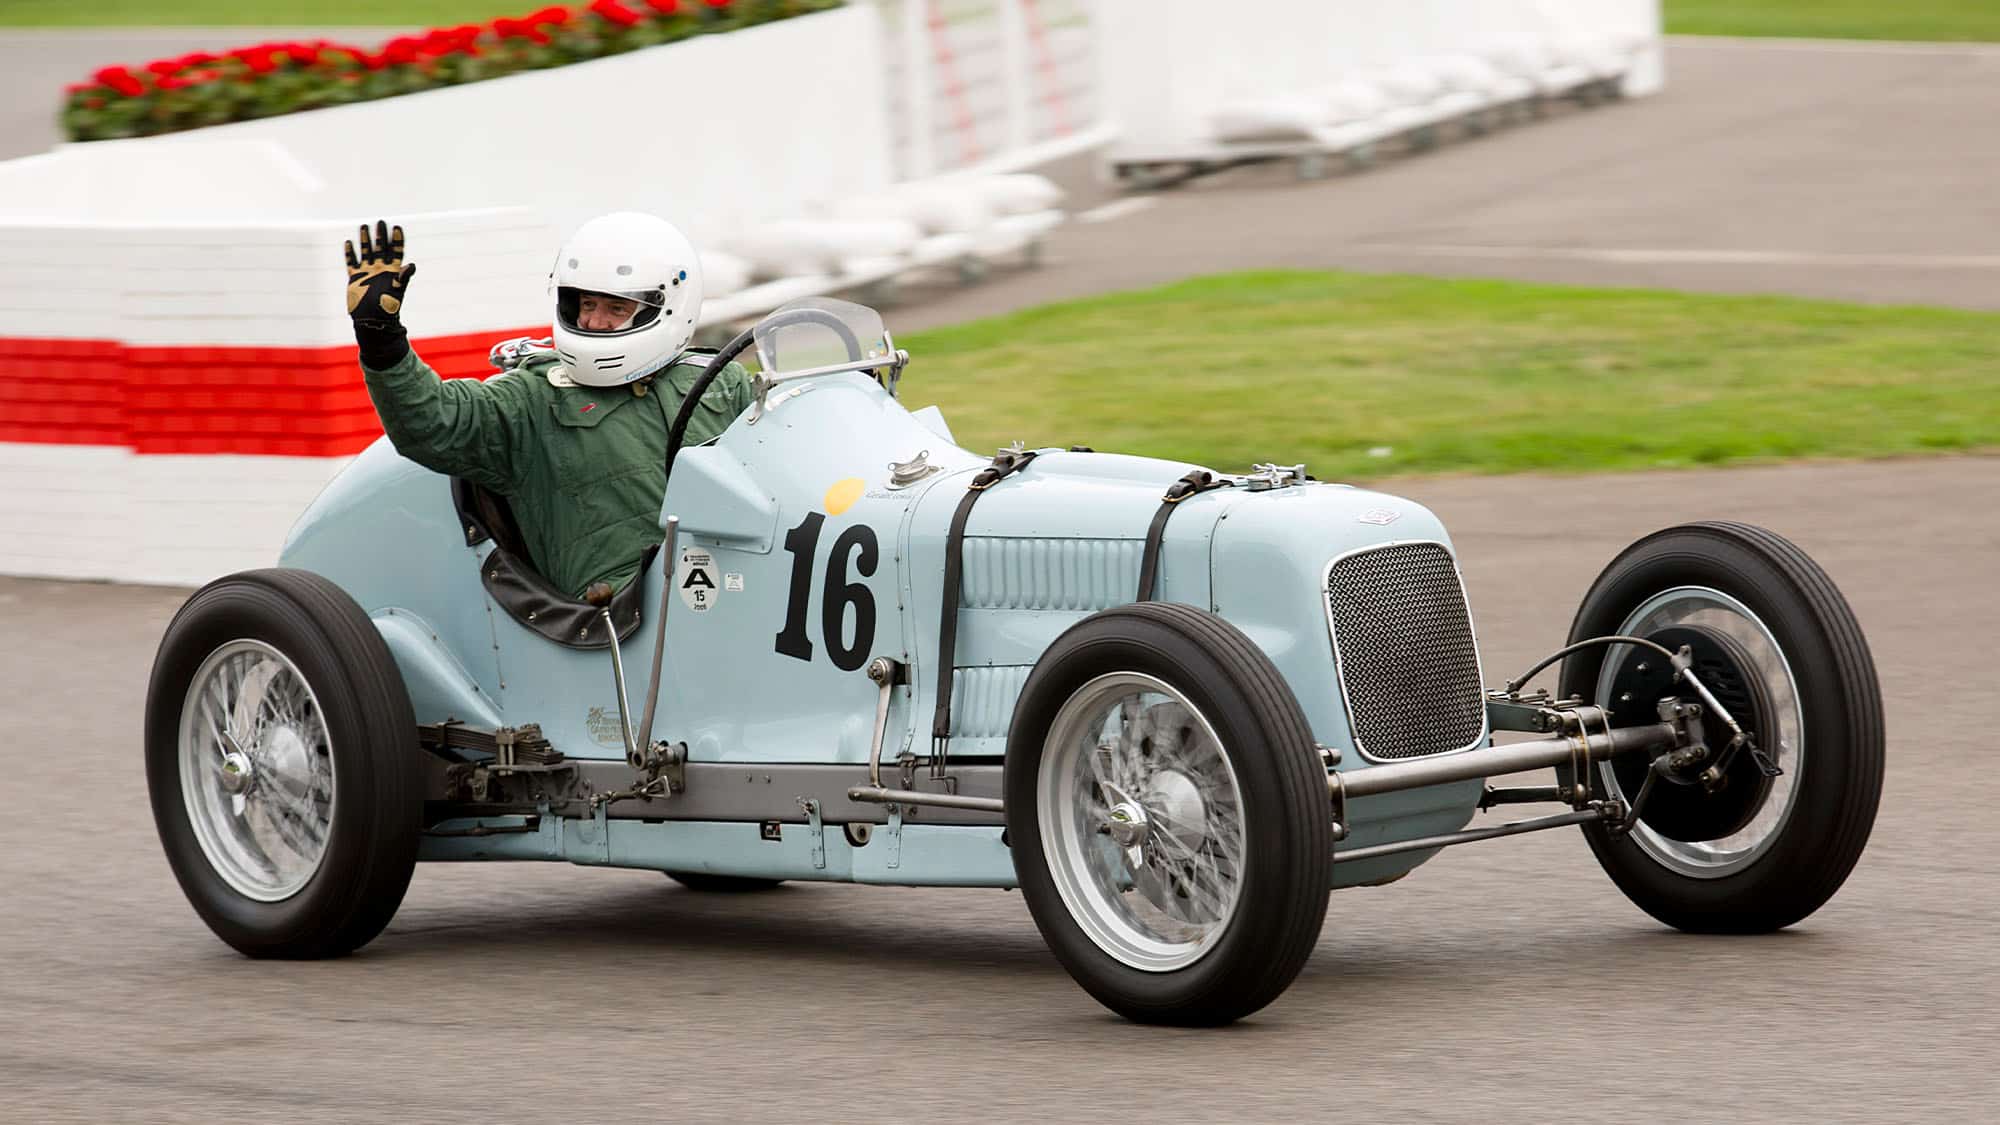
1778,646
1169,817
281,757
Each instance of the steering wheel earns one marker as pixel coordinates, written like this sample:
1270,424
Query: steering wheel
677,432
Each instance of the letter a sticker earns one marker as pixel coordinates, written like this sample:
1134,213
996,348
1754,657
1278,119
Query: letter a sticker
696,580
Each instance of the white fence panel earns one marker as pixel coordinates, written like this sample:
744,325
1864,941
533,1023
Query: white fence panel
989,84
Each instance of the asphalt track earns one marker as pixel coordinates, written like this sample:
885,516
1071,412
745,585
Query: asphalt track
1853,171
1506,981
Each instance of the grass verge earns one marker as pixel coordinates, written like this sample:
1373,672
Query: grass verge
1366,376
1959,20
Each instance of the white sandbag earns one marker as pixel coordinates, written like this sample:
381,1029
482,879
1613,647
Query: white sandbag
723,273
811,246
942,248
1268,119
1351,99
1407,83
1521,55
1015,232
1467,74
1018,193
935,206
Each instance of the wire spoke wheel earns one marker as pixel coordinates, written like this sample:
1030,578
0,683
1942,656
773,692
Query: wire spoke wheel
282,764
1142,819
257,770
1168,813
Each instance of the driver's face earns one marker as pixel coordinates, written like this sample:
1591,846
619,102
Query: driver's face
596,312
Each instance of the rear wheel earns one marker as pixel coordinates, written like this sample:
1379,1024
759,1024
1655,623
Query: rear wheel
281,758
1169,816
1778,646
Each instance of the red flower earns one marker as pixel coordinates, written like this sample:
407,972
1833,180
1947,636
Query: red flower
717,3
402,49
664,7
550,15
611,11
164,67
169,82
120,80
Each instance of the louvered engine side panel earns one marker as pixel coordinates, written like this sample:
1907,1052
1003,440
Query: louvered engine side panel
982,699
1082,575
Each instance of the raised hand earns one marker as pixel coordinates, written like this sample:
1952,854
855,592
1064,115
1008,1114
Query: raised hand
377,275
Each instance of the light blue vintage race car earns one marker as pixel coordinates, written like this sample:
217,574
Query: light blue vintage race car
1174,707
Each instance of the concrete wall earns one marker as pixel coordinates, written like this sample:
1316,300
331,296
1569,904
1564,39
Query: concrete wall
712,132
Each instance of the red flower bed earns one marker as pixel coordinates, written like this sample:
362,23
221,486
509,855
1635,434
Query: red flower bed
267,79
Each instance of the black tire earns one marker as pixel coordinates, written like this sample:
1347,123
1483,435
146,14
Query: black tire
1288,853
722,884
1840,704
377,806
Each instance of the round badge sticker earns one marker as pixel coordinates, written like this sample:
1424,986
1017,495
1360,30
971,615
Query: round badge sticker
696,579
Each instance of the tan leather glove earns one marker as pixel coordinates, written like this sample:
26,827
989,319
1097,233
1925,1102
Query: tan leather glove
377,276
377,279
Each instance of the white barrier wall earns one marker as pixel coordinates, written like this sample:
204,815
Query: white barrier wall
1169,64
183,392
990,84
640,130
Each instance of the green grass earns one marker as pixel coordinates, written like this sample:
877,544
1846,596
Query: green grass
223,13
1838,19
1464,376
1843,19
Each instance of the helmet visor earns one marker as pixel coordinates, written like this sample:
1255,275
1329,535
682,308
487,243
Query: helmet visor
591,312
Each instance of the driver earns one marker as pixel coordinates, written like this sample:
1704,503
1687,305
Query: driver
575,435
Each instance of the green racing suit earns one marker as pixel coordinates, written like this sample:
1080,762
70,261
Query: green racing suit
582,467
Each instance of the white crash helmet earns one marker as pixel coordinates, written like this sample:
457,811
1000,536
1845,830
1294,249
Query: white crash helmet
633,257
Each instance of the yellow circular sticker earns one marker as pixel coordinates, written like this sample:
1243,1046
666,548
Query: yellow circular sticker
843,494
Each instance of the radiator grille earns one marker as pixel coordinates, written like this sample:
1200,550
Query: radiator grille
1407,658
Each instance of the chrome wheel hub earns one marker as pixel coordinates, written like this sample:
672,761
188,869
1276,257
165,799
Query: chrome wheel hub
256,769
237,772
1784,742
1141,821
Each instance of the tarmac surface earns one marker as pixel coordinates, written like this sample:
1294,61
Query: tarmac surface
1854,171
1504,981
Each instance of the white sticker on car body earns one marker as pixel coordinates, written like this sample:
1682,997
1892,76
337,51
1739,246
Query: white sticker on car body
696,580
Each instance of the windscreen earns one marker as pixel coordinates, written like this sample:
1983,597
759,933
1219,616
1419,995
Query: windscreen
819,332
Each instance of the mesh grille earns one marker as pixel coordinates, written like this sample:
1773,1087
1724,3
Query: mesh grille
1407,659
